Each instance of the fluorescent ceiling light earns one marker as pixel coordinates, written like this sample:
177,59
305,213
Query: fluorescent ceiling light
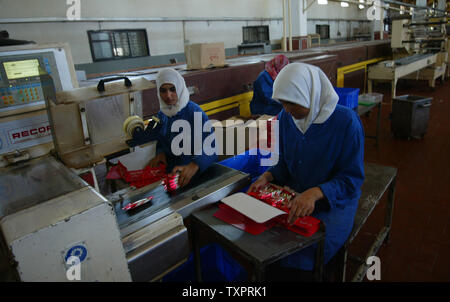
344,4
322,2
360,6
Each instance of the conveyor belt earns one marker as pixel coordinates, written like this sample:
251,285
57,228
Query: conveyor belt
215,176
411,59
151,73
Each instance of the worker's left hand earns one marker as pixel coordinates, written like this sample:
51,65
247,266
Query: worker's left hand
185,173
303,204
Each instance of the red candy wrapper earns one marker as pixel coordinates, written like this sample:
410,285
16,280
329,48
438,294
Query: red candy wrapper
279,198
276,197
133,205
170,182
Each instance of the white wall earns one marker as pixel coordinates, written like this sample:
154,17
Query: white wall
334,11
143,8
164,37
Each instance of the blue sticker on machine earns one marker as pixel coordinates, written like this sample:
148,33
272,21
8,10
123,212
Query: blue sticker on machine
79,251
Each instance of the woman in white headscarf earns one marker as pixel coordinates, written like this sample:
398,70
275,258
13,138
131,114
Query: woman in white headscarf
321,147
175,106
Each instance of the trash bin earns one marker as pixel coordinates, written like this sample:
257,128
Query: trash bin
410,114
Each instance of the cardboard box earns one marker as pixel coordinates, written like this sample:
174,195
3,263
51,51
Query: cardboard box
205,55
265,130
233,130
250,133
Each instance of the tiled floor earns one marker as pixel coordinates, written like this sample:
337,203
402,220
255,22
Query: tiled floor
419,249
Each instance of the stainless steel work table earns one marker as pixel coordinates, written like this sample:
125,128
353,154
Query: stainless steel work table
363,109
378,180
259,250
277,243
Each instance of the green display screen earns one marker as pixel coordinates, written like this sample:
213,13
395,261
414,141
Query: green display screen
21,69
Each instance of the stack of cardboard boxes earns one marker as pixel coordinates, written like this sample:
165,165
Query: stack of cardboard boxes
238,134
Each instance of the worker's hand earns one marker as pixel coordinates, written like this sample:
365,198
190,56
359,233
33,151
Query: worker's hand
303,204
185,173
157,160
263,180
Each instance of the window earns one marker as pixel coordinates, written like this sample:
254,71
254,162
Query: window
323,31
118,44
256,34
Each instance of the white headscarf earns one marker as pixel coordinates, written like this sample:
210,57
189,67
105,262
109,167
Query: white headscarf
171,76
308,86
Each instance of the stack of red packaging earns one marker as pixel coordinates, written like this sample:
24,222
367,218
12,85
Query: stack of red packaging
137,178
276,197
170,182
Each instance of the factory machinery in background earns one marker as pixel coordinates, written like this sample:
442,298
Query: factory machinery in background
420,49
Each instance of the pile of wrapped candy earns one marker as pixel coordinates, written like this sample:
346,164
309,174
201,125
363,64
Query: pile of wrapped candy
275,196
170,182
279,198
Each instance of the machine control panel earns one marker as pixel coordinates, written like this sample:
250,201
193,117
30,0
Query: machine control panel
19,79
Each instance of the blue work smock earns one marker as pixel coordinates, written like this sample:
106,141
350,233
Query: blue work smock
329,156
262,102
166,136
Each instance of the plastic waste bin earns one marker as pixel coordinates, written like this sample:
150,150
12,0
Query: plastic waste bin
410,114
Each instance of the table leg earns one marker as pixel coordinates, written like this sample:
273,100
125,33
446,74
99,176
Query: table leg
341,264
196,247
390,209
378,123
318,269
259,273
394,88
369,86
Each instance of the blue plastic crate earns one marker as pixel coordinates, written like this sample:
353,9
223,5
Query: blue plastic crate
217,266
247,163
348,97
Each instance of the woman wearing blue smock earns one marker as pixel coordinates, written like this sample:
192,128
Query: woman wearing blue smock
175,107
321,147
262,101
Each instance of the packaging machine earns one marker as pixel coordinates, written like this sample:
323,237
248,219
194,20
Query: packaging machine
48,214
418,44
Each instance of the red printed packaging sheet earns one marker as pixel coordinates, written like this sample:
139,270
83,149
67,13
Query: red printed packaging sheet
137,178
276,197
233,217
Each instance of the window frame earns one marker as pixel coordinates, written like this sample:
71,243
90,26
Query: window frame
318,26
112,43
257,29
